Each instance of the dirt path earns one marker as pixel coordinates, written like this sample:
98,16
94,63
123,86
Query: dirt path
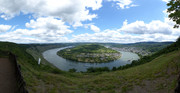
7,76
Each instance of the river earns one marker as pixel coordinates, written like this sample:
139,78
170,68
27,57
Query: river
64,64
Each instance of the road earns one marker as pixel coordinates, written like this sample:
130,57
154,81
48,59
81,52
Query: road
7,76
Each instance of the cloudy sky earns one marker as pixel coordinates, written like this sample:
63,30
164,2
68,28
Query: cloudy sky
56,21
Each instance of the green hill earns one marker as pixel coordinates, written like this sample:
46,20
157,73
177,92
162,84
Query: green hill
157,76
148,46
93,53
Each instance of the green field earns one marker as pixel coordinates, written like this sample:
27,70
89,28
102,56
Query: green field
93,53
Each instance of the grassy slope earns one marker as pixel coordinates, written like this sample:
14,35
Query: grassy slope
158,76
163,71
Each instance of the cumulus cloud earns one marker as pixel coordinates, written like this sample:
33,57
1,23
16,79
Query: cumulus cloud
94,28
137,31
48,26
124,4
155,26
49,29
41,30
118,37
72,11
53,30
4,28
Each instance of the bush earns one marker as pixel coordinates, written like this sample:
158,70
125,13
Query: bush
72,70
99,69
114,69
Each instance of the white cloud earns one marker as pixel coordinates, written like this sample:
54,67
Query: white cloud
124,4
41,30
4,28
125,22
94,28
94,4
166,1
118,37
138,31
48,26
165,12
155,26
71,11
53,30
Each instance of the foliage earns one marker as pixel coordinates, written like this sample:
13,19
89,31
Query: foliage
91,48
3,53
43,47
100,69
89,53
174,10
18,50
72,70
114,69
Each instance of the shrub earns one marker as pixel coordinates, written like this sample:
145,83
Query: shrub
72,70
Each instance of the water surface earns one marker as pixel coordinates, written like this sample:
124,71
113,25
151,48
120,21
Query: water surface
64,64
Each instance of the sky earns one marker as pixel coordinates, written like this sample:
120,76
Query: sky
104,21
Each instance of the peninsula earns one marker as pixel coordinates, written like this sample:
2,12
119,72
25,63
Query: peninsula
93,53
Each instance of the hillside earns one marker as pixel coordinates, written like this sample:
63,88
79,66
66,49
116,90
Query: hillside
141,48
93,53
157,76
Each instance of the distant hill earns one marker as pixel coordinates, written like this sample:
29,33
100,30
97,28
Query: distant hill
149,46
153,42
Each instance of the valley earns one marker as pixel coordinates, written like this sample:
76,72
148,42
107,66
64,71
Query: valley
162,69
89,46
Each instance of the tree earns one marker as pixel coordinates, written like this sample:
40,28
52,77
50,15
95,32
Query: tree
72,70
174,10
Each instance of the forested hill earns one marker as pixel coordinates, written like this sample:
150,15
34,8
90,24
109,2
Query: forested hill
173,47
17,49
149,46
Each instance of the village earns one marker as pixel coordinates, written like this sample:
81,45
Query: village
139,51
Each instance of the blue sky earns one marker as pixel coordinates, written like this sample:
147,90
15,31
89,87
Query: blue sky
56,21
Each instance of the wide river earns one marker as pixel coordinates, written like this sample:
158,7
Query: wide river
64,64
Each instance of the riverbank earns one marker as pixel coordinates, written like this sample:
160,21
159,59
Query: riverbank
64,64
